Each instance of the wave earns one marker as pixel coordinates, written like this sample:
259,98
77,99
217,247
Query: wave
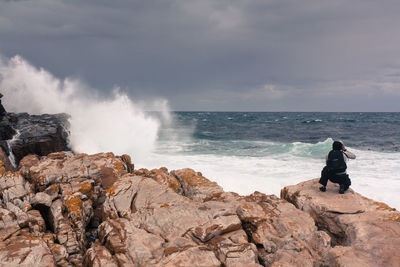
248,166
98,124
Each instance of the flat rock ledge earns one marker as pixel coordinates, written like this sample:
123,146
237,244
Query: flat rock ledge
363,232
67,209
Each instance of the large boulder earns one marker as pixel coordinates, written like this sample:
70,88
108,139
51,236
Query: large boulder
34,134
364,232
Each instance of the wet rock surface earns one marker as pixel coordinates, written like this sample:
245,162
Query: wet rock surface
67,209
33,134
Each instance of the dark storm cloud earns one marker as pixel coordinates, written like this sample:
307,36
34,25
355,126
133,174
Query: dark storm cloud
218,55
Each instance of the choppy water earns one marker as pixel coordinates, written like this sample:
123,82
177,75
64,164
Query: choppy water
246,151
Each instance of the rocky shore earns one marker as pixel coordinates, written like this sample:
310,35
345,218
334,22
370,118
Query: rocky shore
68,209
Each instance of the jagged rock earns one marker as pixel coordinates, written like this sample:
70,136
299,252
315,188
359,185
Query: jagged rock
14,188
38,134
25,251
8,224
131,245
2,109
5,161
285,235
195,186
99,256
63,167
364,232
162,176
233,249
129,165
133,193
42,199
60,254
95,210
71,187
195,256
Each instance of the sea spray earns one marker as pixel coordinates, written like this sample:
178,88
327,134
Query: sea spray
98,124
10,143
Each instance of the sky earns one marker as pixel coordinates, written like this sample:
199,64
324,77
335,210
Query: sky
217,55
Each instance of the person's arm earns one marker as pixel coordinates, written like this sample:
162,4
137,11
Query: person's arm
349,154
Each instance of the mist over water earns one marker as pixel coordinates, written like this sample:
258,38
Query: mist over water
98,124
242,152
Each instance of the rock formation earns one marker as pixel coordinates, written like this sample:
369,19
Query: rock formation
2,109
363,232
33,134
67,209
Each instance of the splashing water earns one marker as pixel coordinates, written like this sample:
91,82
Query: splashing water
115,124
11,156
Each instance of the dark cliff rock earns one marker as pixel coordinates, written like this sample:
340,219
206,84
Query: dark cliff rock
2,109
33,134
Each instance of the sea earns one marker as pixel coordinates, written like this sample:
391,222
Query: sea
265,151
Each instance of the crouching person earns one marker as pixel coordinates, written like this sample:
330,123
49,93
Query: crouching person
335,169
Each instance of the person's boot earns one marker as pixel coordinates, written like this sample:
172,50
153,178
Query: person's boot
341,189
322,189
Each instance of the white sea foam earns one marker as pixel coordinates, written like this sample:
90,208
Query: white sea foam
98,124
373,174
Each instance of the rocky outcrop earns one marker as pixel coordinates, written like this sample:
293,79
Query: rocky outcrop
33,134
69,209
6,161
363,232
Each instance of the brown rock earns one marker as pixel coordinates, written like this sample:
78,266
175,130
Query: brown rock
129,244
130,167
132,193
197,187
60,254
162,176
5,161
285,235
195,256
62,167
99,256
25,251
8,224
13,187
365,232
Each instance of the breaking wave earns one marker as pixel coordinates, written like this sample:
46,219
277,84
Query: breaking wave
98,124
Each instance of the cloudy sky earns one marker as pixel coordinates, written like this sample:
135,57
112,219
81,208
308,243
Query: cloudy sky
217,55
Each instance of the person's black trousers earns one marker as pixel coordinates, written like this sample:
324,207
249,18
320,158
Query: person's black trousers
341,179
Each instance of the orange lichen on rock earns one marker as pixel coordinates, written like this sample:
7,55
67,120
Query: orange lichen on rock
194,178
2,168
383,206
111,190
119,167
74,205
85,188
